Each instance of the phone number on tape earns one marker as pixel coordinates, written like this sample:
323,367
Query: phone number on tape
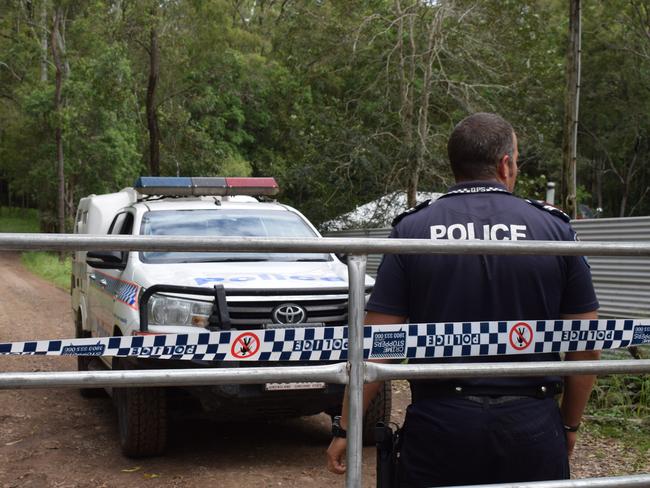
641,334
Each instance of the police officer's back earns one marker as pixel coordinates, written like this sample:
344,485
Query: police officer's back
484,430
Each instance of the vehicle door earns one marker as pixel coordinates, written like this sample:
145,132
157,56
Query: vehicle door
79,284
106,284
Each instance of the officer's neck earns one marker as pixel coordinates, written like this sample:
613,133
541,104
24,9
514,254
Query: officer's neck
481,182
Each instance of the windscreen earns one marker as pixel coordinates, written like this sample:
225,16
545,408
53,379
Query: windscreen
225,223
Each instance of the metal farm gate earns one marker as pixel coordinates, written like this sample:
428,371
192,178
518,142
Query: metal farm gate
355,371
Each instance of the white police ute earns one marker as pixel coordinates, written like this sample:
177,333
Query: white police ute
131,293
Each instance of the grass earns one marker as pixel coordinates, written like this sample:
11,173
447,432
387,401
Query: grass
19,220
634,436
619,408
622,396
47,265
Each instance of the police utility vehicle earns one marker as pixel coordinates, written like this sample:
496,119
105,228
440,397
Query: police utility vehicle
193,291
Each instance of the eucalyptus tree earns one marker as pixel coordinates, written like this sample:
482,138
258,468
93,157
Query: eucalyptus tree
615,127
72,130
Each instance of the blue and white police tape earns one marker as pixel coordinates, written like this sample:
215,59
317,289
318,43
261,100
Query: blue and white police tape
401,341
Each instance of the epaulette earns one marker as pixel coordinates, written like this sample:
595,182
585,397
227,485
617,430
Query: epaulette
550,209
410,211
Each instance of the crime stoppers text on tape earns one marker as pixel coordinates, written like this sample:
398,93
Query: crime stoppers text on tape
399,341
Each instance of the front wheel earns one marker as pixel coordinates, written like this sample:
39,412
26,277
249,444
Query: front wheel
83,362
142,420
379,410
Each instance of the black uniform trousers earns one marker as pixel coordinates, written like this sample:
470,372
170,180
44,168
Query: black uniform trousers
461,441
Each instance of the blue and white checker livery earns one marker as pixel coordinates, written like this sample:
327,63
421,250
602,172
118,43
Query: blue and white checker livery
128,293
124,291
460,339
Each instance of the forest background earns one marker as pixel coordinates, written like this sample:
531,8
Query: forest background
341,100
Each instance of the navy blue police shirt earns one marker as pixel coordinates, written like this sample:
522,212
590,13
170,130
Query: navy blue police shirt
463,288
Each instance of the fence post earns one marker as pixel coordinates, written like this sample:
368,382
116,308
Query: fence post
356,305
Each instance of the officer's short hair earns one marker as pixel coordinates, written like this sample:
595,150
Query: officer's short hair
477,144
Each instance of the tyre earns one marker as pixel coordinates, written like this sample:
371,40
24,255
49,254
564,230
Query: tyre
378,411
142,420
83,362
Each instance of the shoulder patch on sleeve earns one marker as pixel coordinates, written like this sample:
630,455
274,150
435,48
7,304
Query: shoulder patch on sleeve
410,211
550,209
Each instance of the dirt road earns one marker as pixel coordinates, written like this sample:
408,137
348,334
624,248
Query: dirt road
56,438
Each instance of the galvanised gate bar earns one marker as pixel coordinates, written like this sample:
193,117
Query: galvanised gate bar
356,371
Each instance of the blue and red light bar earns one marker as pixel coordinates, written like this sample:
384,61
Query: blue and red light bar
206,185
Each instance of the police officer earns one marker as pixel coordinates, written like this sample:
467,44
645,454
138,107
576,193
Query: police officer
483,430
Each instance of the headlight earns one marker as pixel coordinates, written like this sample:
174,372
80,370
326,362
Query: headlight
165,310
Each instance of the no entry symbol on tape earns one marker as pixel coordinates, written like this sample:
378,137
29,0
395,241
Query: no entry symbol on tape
245,345
521,336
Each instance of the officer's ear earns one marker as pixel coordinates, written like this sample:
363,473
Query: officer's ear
507,171
504,168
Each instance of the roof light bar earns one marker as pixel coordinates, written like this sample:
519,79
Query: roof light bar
209,185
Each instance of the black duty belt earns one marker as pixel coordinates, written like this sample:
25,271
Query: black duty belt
548,390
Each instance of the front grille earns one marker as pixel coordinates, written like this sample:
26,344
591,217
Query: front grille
255,314
328,307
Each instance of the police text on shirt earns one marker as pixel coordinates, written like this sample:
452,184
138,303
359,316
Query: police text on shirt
487,232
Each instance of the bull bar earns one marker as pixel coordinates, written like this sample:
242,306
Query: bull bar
355,372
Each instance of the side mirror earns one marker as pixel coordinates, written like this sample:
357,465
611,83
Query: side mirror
105,259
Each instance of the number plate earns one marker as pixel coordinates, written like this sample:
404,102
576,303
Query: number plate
298,385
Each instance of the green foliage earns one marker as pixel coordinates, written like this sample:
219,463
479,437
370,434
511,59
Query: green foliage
531,187
49,267
310,92
19,220
623,396
619,408
100,131
615,107
44,264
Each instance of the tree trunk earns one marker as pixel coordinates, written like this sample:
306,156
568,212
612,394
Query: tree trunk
569,145
69,199
425,97
118,10
43,35
600,169
152,115
58,131
627,185
407,74
416,79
